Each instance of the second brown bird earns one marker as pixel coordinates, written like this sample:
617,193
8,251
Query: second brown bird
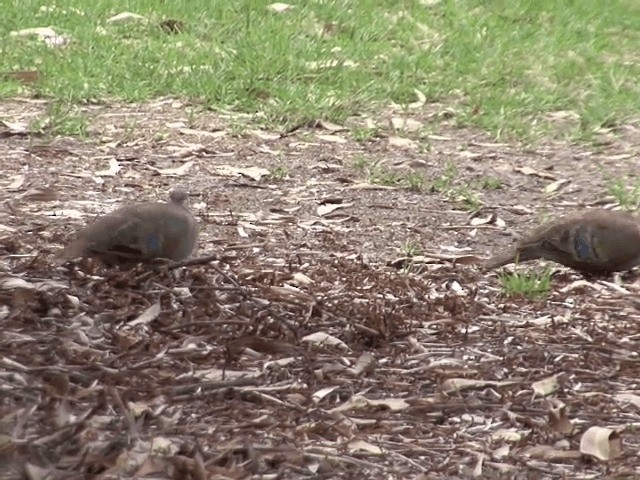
593,241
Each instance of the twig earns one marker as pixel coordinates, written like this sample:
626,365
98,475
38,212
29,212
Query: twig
211,385
188,263
126,413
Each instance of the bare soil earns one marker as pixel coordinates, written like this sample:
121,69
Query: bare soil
310,346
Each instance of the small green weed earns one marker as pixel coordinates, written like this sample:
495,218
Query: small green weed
531,285
61,119
411,248
444,182
628,197
278,173
490,183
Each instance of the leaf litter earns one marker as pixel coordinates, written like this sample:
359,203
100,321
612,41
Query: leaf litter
301,346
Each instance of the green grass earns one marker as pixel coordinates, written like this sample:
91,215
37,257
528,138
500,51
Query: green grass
61,119
501,65
447,183
376,173
279,173
490,183
411,248
529,285
626,192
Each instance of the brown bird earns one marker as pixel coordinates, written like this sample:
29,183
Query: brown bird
594,241
139,233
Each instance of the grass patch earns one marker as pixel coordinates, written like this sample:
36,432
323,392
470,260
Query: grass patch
61,120
279,173
377,174
446,179
627,196
446,183
411,248
490,183
530,285
513,67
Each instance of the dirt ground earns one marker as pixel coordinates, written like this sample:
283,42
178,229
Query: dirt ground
310,347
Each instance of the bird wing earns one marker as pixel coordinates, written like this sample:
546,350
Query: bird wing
166,230
597,241
118,235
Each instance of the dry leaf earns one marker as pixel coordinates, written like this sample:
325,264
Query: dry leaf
16,184
322,393
328,208
218,374
259,344
358,402
14,128
631,398
402,142
65,214
501,452
203,133
546,386
601,443
301,279
148,316
331,138
42,32
126,17
531,171
491,219
177,172
8,282
34,472
325,167
405,124
366,363
290,293
370,186
557,185
549,452
452,385
471,155
326,125
114,168
362,446
266,136
509,435
322,338
254,173
279,7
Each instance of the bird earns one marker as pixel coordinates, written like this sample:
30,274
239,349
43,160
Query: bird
595,241
139,233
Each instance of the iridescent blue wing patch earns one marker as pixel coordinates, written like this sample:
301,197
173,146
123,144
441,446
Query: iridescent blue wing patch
153,242
582,247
